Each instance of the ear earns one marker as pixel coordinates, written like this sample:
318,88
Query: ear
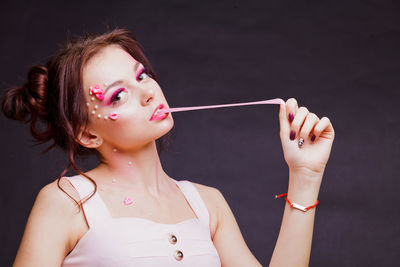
89,138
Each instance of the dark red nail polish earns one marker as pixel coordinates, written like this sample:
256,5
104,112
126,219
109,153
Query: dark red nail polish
292,135
291,117
312,138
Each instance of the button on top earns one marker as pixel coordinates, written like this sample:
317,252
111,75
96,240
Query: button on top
173,239
178,255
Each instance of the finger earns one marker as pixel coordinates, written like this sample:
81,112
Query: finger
291,108
323,125
283,120
308,126
298,121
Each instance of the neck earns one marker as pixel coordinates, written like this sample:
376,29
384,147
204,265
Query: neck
139,169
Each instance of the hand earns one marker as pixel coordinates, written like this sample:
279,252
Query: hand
313,155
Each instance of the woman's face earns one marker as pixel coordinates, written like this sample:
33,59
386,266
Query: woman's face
129,98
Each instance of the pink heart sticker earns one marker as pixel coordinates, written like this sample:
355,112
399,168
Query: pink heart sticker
128,201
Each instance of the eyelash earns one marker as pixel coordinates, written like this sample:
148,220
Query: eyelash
116,94
143,70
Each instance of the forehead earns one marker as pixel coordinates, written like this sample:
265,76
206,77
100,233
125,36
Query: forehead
109,64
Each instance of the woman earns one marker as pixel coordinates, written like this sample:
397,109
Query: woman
100,95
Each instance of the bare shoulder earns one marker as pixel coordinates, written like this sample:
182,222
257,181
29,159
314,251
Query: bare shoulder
53,201
211,193
65,208
52,194
49,227
212,198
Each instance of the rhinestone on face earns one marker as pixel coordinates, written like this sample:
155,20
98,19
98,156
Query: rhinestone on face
115,150
114,180
92,98
105,117
99,116
93,112
96,106
130,163
87,104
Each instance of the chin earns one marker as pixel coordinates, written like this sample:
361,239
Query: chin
165,126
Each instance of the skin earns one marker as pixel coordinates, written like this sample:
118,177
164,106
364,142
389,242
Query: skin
157,198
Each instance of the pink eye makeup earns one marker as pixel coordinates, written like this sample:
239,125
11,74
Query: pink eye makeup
116,96
140,73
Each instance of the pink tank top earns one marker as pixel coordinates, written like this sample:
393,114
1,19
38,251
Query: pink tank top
133,241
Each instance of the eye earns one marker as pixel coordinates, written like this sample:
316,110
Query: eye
119,95
142,74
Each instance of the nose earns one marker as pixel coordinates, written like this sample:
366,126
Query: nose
147,95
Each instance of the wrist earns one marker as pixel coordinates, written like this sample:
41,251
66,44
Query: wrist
304,187
303,177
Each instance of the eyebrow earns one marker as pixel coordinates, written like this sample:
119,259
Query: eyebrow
121,81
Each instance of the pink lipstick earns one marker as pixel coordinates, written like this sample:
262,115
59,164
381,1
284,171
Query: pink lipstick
156,116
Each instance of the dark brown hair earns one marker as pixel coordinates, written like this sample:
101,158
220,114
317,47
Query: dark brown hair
53,96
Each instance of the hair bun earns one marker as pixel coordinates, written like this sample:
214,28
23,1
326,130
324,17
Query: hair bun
30,98
37,89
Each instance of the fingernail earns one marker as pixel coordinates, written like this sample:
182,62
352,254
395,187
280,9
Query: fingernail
291,117
292,135
312,138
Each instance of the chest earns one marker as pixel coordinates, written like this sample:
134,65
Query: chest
170,210
138,242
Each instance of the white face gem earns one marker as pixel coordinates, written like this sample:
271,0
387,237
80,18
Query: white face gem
87,104
130,163
93,112
92,98
91,87
99,116
96,106
105,117
114,180
115,150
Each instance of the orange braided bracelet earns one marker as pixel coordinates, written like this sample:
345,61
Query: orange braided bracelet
295,205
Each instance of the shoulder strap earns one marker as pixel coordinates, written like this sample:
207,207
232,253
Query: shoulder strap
94,209
195,201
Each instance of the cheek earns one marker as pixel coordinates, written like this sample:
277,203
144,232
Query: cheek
128,126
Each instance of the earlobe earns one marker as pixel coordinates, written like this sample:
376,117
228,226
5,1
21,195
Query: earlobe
89,139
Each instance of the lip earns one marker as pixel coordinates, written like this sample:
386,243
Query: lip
158,116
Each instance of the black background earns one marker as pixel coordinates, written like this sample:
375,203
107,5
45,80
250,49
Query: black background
340,59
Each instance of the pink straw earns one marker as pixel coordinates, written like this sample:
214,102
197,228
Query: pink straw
271,101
